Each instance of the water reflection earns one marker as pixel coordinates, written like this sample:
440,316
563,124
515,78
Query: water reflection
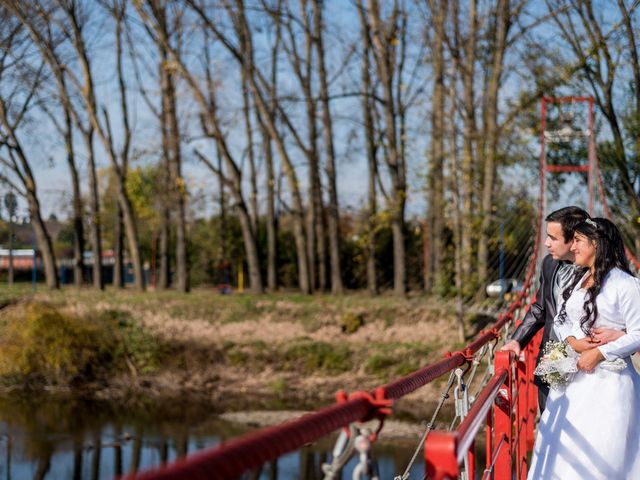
70,438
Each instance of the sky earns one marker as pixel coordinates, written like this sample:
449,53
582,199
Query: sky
47,152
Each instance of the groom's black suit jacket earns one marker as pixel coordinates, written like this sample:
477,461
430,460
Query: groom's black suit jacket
541,314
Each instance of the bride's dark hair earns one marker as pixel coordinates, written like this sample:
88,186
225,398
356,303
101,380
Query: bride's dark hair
609,255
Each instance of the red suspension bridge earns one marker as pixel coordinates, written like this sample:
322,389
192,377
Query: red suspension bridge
505,406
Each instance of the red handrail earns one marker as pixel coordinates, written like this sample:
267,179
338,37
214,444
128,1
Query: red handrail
507,406
446,450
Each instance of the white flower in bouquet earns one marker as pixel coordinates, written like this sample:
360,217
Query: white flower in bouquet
558,364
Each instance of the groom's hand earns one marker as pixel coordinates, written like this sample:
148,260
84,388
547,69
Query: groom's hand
582,345
589,359
606,335
511,346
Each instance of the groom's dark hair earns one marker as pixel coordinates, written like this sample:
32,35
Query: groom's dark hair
568,218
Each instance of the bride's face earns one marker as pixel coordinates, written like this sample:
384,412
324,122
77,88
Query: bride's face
584,250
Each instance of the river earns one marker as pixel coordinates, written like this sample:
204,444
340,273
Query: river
62,437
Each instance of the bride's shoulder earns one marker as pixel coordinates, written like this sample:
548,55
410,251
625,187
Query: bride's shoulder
621,279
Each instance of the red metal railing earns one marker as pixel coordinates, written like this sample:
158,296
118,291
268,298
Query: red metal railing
506,407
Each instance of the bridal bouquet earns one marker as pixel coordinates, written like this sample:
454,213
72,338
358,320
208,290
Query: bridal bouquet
557,365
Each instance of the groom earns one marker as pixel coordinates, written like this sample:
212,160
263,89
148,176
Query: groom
557,271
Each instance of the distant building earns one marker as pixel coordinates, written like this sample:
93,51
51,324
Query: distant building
65,268
22,259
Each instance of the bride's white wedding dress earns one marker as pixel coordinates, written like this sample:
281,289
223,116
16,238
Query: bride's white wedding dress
590,429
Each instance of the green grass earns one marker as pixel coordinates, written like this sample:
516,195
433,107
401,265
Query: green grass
310,357
389,360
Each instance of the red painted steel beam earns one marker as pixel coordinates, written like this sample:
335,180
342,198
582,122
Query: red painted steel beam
444,451
503,417
523,383
476,417
567,168
566,99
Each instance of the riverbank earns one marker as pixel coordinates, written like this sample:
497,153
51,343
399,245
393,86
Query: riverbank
289,350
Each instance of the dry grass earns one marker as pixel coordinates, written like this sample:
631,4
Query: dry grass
276,345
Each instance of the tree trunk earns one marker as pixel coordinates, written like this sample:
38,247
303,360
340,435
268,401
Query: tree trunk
251,248
43,240
272,279
304,71
468,135
272,234
370,144
118,248
246,110
178,188
493,87
383,49
78,213
333,216
435,203
163,250
166,202
454,183
94,206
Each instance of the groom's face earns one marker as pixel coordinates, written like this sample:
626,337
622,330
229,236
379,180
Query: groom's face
556,244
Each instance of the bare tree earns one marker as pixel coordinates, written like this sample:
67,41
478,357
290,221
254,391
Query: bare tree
245,56
15,103
464,56
435,200
253,175
333,215
384,39
272,280
369,138
73,28
302,65
503,21
171,140
206,97
39,23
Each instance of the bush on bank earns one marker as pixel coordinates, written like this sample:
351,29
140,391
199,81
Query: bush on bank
41,345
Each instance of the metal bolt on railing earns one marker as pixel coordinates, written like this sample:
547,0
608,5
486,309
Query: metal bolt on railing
366,466
342,451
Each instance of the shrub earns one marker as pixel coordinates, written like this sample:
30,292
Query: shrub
314,356
351,322
39,342
134,347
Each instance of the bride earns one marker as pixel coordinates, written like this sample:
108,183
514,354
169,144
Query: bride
590,428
